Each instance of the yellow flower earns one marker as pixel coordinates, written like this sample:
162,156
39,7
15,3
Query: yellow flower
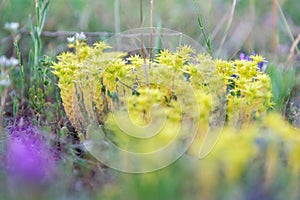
257,58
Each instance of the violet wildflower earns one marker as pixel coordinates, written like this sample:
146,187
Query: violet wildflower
27,157
262,66
244,57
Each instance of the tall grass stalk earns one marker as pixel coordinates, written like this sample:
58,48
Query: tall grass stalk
2,105
141,14
274,26
146,67
41,12
201,26
22,71
292,50
142,26
117,22
117,16
287,27
232,10
37,89
151,28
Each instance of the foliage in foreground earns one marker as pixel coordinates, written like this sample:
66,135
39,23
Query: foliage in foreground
258,161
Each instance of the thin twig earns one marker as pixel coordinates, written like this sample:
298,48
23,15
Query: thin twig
292,49
151,28
287,27
3,100
58,34
88,34
141,13
130,35
128,86
71,33
146,67
274,26
117,22
234,54
143,51
228,26
220,25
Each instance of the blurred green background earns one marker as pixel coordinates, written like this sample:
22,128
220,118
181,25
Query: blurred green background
251,25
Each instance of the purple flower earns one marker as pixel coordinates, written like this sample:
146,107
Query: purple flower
244,57
261,65
234,76
27,157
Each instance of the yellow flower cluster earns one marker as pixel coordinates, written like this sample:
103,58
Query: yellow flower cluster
262,152
84,79
95,82
248,89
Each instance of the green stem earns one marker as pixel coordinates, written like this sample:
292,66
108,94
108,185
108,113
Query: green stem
22,74
201,26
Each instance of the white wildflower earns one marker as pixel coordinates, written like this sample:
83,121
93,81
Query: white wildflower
11,26
71,39
13,61
80,36
5,62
